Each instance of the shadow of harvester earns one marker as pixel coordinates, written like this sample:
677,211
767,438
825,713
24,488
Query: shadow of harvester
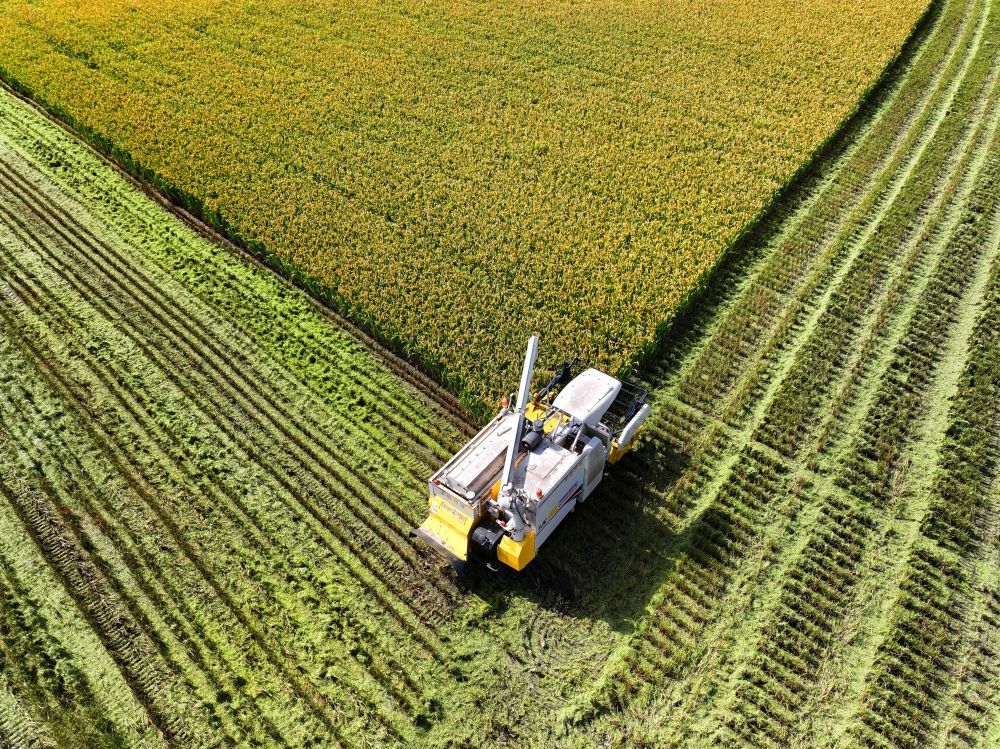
607,558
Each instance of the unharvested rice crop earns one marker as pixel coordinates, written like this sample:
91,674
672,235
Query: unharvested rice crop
455,175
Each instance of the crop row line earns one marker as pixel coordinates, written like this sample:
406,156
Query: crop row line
809,329
177,638
749,402
896,403
911,140
120,459
904,681
895,259
111,618
283,429
406,421
928,301
864,177
212,407
251,525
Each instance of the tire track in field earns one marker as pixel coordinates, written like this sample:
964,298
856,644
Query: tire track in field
52,658
400,522
836,600
446,406
305,689
111,619
120,314
918,140
165,601
727,330
60,384
284,430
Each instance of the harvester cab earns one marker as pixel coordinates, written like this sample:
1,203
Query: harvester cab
502,495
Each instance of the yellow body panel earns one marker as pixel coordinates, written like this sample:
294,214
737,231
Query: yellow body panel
536,411
448,528
517,554
617,451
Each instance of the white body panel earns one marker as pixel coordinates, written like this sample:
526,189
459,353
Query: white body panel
588,396
574,486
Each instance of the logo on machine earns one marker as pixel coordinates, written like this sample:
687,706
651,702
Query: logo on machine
571,495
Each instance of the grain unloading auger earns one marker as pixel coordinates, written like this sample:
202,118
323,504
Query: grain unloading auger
503,494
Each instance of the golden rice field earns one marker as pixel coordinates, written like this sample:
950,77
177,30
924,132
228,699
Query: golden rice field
455,174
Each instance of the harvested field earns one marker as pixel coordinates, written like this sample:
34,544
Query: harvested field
206,481
421,165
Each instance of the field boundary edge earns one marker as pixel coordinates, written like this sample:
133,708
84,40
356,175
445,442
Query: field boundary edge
423,372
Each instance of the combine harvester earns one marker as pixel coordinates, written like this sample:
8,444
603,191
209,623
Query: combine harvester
503,494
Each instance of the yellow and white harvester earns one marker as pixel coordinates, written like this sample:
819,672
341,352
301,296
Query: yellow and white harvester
503,494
